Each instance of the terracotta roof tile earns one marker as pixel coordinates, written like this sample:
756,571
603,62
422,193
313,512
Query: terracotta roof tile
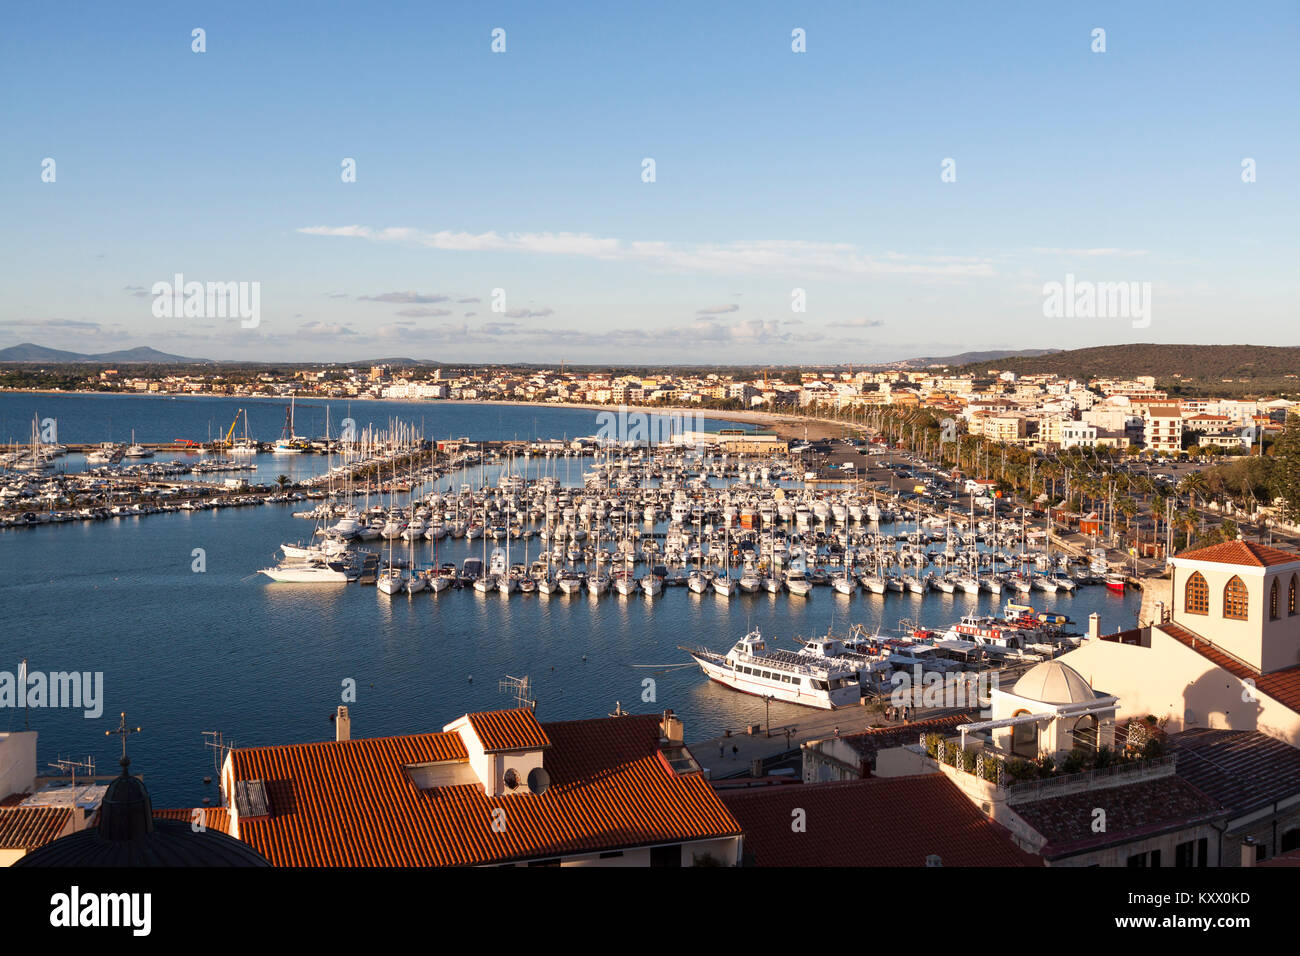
351,803
501,730
878,821
1242,769
26,828
1290,858
216,818
1133,811
1249,553
873,741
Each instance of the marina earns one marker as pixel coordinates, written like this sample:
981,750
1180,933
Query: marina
601,596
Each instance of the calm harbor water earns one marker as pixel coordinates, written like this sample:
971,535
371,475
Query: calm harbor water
184,652
163,418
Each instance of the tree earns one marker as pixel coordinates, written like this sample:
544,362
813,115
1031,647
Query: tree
1286,468
1193,485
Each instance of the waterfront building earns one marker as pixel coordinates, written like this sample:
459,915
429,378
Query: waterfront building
1224,655
493,788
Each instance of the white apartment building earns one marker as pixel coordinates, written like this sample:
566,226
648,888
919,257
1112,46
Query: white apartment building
1078,435
1163,429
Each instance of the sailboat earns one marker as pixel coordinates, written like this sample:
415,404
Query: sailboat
597,582
137,451
289,443
391,580
245,447
724,585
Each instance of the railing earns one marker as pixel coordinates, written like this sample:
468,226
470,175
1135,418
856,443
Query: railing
1047,787
1039,788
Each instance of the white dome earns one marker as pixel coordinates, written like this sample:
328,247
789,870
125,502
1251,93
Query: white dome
1052,682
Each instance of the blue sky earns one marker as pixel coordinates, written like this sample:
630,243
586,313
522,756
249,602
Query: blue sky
522,171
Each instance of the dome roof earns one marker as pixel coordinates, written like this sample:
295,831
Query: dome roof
1052,682
128,834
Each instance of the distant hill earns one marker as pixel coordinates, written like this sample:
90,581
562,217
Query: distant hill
30,352
968,358
1181,369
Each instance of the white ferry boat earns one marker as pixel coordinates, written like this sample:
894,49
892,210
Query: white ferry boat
797,678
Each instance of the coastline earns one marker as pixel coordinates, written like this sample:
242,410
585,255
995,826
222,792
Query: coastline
787,426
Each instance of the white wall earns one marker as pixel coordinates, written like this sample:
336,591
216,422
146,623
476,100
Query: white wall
17,762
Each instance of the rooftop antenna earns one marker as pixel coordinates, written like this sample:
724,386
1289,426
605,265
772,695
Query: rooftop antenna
217,741
522,688
70,768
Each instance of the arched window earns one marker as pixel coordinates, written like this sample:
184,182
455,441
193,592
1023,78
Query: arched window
1196,596
1272,601
1024,737
1085,734
1235,599
1290,598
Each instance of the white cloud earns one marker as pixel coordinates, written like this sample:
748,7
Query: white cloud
746,257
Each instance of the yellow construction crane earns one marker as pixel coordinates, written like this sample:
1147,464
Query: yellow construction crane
231,434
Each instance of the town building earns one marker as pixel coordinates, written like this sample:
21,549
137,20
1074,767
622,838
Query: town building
492,788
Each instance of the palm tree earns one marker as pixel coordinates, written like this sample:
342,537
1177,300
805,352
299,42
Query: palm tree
282,480
1193,485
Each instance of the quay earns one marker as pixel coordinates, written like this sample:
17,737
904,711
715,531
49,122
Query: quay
778,747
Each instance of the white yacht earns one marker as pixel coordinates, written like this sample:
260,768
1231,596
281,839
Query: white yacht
796,678
137,451
310,572
797,583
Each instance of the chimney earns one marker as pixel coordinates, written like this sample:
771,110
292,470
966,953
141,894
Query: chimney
1094,626
671,729
1248,847
1159,613
342,724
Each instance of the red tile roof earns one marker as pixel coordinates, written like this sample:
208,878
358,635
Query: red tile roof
26,828
1290,858
351,803
870,742
1133,812
879,821
216,818
501,730
1242,769
1249,553
1283,686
